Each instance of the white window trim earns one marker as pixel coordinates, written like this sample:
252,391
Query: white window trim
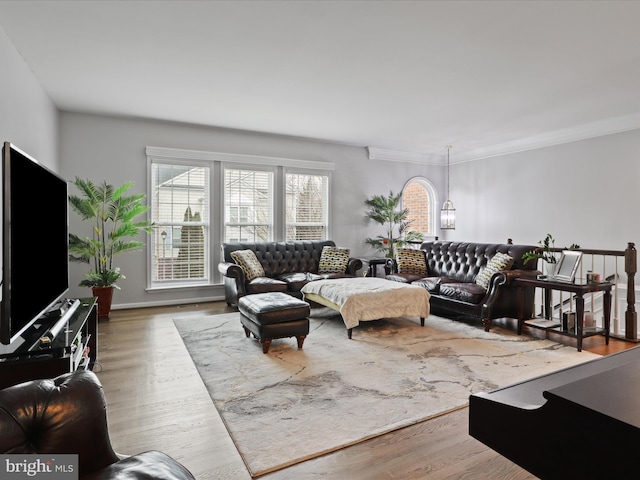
254,168
253,160
209,272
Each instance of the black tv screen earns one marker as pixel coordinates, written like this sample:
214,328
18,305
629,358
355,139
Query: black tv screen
35,243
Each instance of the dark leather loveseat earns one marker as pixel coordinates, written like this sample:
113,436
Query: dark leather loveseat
288,266
452,269
67,415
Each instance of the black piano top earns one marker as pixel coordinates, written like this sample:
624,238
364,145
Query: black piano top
568,382
579,423
612,394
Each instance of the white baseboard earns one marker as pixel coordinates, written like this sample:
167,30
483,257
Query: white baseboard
164,303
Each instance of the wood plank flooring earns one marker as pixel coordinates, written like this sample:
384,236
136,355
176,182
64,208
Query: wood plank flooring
156,400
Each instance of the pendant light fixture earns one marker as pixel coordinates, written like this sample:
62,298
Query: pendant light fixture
448,213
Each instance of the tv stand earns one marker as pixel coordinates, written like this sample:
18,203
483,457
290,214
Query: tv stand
53,345
62,312
60,308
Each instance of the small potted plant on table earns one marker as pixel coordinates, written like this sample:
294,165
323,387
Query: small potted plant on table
546,253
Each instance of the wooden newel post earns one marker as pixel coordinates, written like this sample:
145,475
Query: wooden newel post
630,268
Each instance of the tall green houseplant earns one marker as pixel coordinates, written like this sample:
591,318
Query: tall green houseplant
386,211
112,215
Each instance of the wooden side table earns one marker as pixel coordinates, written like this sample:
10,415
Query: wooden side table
373,265
579,289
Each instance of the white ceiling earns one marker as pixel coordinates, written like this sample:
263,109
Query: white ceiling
486,77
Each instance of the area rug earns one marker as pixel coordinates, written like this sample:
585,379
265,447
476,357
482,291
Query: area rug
291,405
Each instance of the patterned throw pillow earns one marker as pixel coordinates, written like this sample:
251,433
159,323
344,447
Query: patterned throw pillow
249,263
411,261
500,261
333,259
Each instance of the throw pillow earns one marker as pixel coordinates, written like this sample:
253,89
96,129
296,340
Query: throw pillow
411,261
249,263
333,259
500,261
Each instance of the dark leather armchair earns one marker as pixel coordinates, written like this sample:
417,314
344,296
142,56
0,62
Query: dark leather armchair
67,415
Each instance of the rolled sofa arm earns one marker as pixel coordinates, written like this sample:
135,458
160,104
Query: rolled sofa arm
353,265
234,282
231,270
391,265
498,282
512,274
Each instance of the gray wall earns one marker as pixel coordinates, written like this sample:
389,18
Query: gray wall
28,117
583,192
113,149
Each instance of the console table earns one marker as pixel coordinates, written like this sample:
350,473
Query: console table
579,289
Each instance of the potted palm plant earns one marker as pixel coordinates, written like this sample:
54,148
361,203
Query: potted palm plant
113,217
386,211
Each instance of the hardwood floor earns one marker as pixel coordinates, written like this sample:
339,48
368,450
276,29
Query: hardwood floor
156,400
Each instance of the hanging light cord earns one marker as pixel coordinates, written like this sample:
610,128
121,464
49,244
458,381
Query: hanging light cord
448,148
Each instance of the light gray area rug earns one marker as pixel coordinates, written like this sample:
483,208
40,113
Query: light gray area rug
291,405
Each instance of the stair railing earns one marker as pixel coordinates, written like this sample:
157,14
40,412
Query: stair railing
616,266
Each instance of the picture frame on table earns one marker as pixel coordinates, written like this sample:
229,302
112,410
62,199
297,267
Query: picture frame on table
567,266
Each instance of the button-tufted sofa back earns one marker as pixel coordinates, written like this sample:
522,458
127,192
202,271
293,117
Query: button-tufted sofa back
462,261
68,414
278,258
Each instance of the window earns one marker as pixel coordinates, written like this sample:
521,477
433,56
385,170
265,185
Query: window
248,205
201,199
239,214
306,199
179,209
419,198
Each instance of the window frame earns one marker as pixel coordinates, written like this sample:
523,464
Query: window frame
153,284
433,202
326,198
250,168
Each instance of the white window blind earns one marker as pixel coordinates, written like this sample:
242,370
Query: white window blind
248,201
180,211
306,198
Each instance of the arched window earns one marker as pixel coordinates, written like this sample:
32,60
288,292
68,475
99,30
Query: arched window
418,196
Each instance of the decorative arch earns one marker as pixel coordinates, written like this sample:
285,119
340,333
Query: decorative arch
419,197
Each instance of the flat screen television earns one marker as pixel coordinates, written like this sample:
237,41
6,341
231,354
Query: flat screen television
35,241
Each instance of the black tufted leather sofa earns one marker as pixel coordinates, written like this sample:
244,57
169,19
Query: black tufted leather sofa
452,268
67,415
288,267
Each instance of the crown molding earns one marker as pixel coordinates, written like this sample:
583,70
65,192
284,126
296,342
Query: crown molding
581,132
376,153
567,135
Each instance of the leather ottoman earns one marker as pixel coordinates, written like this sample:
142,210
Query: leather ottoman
274,315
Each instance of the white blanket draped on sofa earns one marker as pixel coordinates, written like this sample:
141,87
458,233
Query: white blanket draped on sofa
366,298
